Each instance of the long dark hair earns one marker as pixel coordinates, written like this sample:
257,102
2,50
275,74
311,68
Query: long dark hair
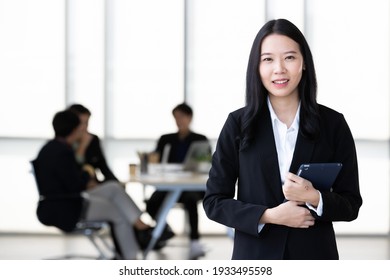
256,93
79,109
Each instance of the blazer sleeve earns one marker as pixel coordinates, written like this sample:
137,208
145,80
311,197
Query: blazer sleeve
344,201
219,202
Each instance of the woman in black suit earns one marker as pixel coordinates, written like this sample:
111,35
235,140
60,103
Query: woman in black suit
89,149
275,213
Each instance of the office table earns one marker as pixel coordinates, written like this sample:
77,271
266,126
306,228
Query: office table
174,183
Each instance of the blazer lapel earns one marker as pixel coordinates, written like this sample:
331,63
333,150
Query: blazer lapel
303,152
267,151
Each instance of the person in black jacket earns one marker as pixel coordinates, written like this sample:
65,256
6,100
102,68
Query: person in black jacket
179,143
88,148
253,186
64,187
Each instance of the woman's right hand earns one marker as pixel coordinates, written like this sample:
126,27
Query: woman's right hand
289,213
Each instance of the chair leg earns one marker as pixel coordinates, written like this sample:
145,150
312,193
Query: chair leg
95,239
106,250
95,232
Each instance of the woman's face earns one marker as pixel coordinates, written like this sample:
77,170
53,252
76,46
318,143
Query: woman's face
84,120
281,66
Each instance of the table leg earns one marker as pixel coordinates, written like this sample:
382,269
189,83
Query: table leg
169,201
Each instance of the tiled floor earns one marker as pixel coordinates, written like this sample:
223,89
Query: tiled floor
31,247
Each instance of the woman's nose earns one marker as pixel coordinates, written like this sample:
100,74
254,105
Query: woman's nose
279,66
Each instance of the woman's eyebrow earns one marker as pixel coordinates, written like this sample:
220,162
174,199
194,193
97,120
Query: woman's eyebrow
287,52
293,52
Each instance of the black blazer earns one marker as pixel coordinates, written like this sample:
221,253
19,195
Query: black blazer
256,171
94,156
175,154
60,180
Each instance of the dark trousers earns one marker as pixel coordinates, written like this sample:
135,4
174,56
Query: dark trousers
190,201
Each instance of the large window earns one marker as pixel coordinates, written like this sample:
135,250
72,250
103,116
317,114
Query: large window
351,49
145,59
85,54
32,68
220,36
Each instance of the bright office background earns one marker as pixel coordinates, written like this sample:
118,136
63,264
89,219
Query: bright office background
131,61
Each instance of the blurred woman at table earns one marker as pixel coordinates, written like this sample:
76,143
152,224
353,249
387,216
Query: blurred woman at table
88,148
179,143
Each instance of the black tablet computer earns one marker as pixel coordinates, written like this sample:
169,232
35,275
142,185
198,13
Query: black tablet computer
321,175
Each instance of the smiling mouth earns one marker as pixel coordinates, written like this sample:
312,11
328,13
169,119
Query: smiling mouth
280,82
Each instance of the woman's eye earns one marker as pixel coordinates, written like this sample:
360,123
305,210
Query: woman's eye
290,57
267,59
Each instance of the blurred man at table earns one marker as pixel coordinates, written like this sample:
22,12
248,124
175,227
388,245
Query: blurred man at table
179,143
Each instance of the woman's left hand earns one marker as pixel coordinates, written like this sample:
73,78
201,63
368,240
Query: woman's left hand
298,189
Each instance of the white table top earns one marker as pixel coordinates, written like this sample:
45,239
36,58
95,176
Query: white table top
170,177
173,180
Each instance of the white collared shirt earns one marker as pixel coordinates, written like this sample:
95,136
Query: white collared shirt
285,139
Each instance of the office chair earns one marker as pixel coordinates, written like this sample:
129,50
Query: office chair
95,231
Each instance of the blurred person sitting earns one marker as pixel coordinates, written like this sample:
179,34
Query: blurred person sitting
88,148
61,176
179,143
